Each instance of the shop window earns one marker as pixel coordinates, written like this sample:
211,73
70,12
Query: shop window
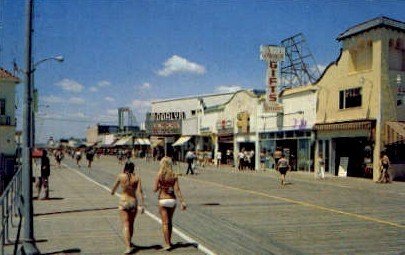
396,56
350,98
2,106
289,134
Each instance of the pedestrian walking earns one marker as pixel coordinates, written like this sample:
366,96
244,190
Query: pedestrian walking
78,156
277,155
283,166
321,170
219,158
59,157
241,160
384,166
89,157
190,159
263,160
167,184
45,173
128,204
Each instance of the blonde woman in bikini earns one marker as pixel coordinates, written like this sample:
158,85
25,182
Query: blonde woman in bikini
128,205
167,184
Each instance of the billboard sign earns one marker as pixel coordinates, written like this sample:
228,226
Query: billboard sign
272,53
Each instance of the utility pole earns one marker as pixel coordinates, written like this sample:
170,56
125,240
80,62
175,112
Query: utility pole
28,247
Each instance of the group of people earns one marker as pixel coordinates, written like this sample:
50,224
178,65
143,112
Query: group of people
246,160
166,185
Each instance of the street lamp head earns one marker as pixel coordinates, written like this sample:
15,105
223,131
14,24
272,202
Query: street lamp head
59,58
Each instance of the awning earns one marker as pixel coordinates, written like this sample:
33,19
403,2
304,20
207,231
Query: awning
156,141
142,141
124,141
394,132
182,140
350,125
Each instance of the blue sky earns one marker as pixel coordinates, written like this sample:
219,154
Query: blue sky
127,53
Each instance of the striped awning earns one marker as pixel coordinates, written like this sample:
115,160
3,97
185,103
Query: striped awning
124,141
182,140
351,125
394,132
142,141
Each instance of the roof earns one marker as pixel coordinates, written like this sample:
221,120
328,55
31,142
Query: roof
213,99
193,97
6,75
372,24
297,90
218,107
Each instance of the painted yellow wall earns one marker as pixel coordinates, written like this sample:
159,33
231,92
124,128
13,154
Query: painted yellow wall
375,78
7,132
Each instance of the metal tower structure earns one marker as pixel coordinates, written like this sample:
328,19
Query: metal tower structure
131,120
299,67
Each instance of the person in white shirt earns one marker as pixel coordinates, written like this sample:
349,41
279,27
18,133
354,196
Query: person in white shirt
219,158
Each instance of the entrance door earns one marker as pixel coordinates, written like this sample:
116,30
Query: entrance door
353,149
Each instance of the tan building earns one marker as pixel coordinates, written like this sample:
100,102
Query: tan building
8,83
358,96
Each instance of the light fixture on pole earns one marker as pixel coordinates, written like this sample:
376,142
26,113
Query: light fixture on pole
34,92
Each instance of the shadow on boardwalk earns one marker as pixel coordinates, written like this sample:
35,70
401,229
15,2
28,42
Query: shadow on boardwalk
75,211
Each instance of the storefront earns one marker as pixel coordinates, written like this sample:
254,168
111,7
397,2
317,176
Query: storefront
295,144
225,139
346,147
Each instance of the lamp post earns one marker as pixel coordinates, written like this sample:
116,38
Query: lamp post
58,58
28,246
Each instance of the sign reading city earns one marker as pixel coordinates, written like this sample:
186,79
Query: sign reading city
272,55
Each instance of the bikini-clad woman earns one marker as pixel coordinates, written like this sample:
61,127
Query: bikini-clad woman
128,205
167,184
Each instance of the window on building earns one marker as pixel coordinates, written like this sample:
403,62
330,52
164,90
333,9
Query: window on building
193,112
396,56
349,98
2,106
361,56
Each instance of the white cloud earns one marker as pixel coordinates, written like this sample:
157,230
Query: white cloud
76,100
227,88
146,85
112,112
78,115
177,64
141,103
102,84
51,99
110,116
109,99
70,85
321,68
93,89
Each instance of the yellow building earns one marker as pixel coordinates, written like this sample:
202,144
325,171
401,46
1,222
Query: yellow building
8,83
358,98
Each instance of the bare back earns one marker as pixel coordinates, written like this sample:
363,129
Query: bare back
167,187
129,184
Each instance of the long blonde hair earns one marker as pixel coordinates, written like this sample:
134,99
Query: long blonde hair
166,169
